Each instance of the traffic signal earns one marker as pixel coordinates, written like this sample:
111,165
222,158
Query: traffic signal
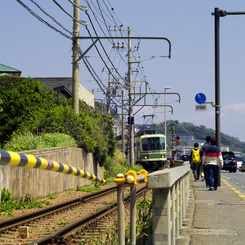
177,140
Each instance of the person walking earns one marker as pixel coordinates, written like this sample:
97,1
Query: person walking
204,166
212,157
195,161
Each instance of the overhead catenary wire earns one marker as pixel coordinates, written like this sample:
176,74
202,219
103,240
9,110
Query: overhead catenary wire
103,49
105,52
79,21
46,23
51,17
42,20
88,64
114,21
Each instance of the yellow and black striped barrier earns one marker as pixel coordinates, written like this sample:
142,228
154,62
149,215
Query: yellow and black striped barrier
8,158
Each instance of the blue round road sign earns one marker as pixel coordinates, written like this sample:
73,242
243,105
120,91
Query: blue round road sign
200,98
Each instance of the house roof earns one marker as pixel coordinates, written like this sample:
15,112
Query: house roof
63,89
8,69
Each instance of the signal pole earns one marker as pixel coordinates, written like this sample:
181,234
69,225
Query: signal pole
75,65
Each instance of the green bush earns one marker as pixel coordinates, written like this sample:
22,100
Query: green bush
31,109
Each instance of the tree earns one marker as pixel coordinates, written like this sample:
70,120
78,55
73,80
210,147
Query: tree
30,106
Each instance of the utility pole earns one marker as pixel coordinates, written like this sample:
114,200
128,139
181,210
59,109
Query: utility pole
130,113
123,139
75,65
165,117
109,95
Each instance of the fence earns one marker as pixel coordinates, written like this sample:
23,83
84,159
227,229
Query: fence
39,183
170,200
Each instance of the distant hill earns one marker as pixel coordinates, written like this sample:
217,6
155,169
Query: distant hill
200,132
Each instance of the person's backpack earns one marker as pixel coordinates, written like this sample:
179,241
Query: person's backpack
196,156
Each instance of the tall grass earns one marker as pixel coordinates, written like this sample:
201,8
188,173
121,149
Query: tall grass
28,141
118,165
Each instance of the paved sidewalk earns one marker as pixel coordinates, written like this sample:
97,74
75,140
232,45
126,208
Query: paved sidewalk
215,217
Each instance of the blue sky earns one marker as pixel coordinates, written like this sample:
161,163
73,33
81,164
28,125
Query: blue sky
38,51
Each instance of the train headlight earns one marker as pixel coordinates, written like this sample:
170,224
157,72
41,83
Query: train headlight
145,157
162,156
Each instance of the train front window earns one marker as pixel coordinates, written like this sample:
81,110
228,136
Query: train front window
152,144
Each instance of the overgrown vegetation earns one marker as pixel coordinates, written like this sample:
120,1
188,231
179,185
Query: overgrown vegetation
9,204
89,189
29,108
63,222
118,165
27,141
143,227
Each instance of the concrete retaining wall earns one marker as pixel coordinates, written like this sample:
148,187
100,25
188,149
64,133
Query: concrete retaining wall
39,183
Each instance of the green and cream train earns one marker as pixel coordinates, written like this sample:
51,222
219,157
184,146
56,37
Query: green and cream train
149,150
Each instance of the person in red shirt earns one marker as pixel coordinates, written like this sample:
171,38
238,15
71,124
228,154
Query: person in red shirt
213,160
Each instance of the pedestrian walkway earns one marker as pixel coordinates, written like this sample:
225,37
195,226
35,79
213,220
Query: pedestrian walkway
218,217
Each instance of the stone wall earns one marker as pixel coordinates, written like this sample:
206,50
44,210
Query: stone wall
39,183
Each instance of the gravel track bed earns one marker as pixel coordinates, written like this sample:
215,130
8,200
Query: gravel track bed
42,227
104,227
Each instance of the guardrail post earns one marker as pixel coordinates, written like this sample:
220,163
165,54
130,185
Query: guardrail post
186,193
130,178
133,215
161,216
182,199
120,181
173,214
121,222
178,222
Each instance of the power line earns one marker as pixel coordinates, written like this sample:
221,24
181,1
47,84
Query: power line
51,17
42,20
104,51
79,21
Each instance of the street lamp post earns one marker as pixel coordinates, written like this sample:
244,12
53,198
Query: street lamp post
217,14
165,117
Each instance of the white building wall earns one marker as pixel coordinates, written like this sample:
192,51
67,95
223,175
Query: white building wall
86,96
53,82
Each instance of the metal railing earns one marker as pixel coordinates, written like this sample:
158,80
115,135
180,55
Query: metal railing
8,158
170,200
130,178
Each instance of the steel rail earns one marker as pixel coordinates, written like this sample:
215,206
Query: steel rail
77,225
37,214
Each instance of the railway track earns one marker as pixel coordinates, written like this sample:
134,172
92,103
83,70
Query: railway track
54,224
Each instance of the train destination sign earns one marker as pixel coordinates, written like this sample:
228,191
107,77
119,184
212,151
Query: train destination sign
200,98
